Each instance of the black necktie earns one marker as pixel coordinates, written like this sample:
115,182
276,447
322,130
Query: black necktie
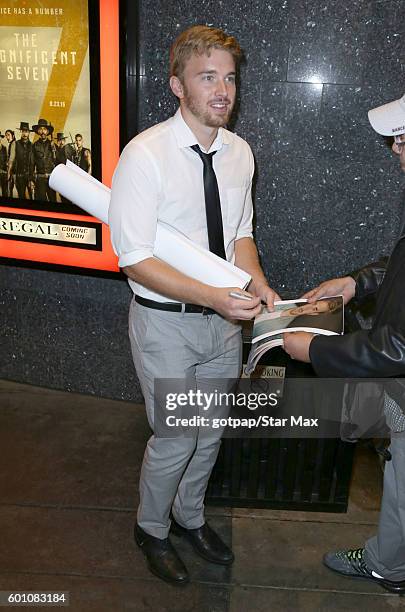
212,204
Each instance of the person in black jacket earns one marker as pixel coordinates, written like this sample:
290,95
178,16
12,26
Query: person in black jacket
44,153
23,168
11,144
377,352
3,168
81,156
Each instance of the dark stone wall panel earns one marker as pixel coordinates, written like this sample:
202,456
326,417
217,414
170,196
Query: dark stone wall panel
315,216
329,40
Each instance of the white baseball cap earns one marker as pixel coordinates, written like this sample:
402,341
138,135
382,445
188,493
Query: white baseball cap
389,119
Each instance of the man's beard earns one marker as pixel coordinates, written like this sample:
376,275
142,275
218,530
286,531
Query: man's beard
203,115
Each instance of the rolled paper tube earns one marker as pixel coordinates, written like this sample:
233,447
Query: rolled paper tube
81,189
171,246
195,261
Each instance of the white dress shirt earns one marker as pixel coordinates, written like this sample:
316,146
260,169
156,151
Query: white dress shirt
159,177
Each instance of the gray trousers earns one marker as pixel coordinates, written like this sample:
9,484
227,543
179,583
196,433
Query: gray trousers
192,348
385,552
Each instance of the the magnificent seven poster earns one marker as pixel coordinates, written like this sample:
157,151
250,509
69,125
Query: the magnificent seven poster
47,117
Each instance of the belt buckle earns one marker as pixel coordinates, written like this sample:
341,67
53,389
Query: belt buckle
204,311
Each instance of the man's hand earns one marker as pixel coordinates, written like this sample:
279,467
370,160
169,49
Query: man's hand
345,286
296,344
265,293
399,149
247,258
233,308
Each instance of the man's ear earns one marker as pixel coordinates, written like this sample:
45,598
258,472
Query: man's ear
176,87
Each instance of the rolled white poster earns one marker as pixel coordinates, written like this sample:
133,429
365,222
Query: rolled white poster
82,189
195,261
171,246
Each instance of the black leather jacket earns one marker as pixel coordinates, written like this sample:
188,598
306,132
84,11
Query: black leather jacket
24,159
380,351
44,156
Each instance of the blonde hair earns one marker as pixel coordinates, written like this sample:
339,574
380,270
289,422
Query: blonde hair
199,40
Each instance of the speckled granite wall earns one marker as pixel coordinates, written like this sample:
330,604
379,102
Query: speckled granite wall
66,332
328,195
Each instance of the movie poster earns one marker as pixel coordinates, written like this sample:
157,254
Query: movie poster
59,101
45,100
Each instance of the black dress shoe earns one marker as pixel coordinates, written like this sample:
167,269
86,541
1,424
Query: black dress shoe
163,560
206,543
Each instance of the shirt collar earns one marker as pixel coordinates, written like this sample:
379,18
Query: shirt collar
185,137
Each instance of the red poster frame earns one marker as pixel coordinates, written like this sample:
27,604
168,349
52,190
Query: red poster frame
71,258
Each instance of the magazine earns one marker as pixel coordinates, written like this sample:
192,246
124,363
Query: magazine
325,316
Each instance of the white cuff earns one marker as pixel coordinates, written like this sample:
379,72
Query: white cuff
134,257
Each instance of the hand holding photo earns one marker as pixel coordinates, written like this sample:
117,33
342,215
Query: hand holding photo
325,316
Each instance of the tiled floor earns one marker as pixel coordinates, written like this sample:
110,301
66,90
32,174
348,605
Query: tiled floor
68,485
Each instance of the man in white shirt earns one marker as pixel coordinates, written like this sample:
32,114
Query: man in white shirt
181,328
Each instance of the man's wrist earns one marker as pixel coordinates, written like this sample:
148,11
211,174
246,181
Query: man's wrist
259,285
354,285
206,296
